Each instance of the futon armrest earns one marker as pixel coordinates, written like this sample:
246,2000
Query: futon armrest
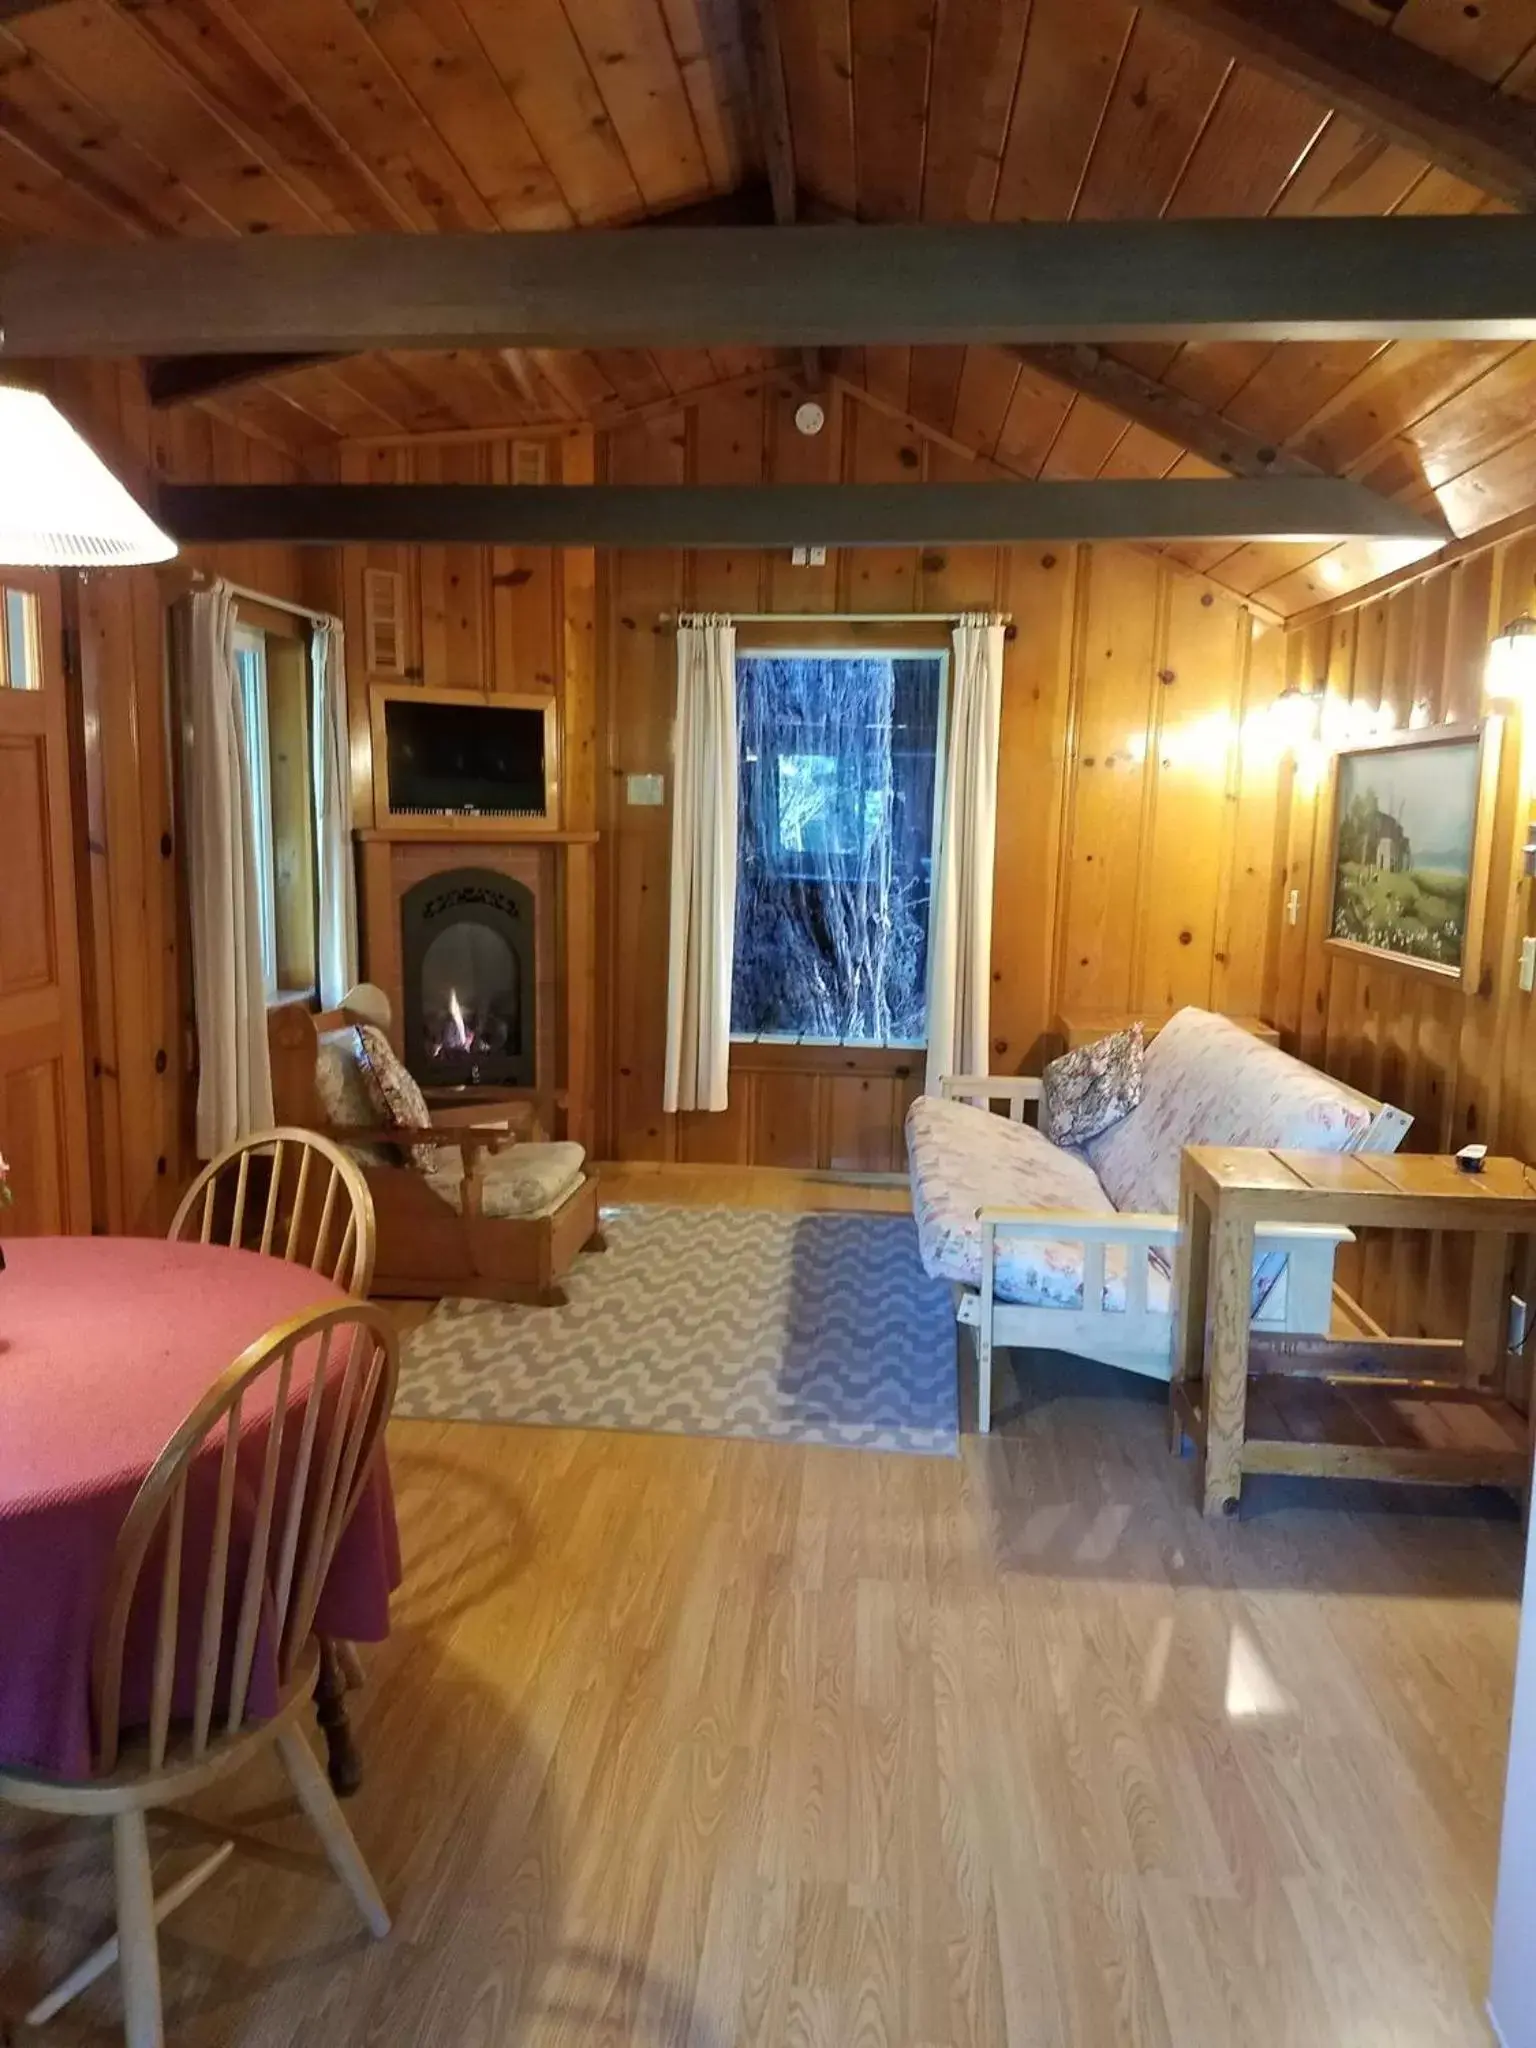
1085,1226
990,1087
488,1138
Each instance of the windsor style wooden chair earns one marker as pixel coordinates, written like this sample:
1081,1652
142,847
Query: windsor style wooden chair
291,1194
265,1473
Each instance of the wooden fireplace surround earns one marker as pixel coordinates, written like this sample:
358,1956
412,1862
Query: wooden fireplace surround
559,868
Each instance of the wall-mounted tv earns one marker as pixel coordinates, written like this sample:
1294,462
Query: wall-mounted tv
465,754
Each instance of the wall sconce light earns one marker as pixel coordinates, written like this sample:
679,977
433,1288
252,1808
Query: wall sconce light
1296,718
1511,670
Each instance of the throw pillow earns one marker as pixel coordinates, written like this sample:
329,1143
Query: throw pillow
392,1088
1086,1091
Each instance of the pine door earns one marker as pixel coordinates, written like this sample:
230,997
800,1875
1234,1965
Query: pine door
42,1066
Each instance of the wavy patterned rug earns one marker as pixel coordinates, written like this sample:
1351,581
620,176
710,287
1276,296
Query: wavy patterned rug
818,1329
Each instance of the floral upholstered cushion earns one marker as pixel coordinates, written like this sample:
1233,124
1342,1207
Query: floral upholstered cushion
963,1159
394,1093
1087,1090
524,1180
1206,1081
343,1092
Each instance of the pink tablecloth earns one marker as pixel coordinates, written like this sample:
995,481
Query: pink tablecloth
105,1346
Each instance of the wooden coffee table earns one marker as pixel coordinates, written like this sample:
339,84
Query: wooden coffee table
1224,1192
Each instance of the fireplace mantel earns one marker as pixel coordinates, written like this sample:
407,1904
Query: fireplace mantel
463,830
559,868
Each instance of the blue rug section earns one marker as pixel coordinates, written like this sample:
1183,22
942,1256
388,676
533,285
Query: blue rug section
815,1329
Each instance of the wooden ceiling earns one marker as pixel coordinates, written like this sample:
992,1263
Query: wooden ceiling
133,118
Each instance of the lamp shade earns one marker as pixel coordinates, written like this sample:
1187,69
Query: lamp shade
60,506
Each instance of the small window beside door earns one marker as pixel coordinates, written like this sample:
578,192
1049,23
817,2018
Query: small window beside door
275,695
21,663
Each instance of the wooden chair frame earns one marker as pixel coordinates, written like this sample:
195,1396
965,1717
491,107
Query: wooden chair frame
300,1515
426,1247
1139,1337
283,1216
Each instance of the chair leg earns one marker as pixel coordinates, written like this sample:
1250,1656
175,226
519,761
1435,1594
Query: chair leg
138,1953
101,1959
319,1802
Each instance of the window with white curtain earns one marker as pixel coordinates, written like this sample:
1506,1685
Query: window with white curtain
276,698
841,756
251,667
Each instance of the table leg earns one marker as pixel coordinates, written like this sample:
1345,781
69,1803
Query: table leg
1226,1365
1192,1279
1487,1308
344,1763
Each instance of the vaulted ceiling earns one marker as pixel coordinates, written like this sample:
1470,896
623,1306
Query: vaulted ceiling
135,118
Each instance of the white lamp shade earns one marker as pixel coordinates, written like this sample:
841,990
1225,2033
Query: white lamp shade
60,506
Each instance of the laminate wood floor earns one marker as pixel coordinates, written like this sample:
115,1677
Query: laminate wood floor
717,1744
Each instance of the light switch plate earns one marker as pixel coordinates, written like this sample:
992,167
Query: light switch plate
645,790
1528,965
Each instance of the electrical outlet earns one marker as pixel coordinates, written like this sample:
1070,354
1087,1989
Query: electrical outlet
1528,965
797,557
1519,1322
817,557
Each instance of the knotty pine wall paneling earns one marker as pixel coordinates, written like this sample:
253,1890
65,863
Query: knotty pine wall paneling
1461,1061
1138,782
480,618
139,1041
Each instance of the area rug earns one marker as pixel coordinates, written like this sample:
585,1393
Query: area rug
815,1329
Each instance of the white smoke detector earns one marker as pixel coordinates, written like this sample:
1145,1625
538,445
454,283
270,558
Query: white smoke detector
810,417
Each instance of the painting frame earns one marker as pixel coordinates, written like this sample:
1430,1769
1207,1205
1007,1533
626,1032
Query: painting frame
1485,735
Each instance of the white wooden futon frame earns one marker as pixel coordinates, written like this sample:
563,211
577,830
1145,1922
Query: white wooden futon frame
1139,1337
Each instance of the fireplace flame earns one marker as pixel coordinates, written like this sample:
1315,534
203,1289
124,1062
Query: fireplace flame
457,1035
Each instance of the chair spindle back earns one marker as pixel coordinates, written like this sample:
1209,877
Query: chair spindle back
306,1202
301,1471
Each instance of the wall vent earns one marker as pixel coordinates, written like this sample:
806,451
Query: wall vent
528,463
384,621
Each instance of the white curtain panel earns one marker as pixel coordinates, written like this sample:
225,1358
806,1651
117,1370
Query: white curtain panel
234,1088
701,946
960,944
336,876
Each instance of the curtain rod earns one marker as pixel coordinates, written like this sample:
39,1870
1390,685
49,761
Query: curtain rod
837,618
313,613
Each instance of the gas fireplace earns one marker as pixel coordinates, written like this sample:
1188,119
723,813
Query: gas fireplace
468,954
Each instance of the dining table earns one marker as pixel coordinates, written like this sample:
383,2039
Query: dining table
106,1345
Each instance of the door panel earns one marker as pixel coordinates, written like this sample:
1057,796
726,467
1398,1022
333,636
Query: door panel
42,1067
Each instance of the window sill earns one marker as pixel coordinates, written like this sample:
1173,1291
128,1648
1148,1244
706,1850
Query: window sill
829,1044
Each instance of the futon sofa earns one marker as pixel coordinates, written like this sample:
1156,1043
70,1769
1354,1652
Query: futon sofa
1072,1250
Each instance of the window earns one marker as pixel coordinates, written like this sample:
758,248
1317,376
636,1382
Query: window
840,758
274,676
21,666
251,667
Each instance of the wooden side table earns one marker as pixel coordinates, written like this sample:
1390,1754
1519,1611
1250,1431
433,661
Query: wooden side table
1082,1027
1223,1193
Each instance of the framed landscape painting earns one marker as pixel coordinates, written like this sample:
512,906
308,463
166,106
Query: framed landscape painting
1411,820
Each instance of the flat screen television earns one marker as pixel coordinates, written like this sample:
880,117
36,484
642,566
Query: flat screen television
458,753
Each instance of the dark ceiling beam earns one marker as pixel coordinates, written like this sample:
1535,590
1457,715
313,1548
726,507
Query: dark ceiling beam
1146,402
775,134
180,380
1308,279
784,515
1383,81
13,10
